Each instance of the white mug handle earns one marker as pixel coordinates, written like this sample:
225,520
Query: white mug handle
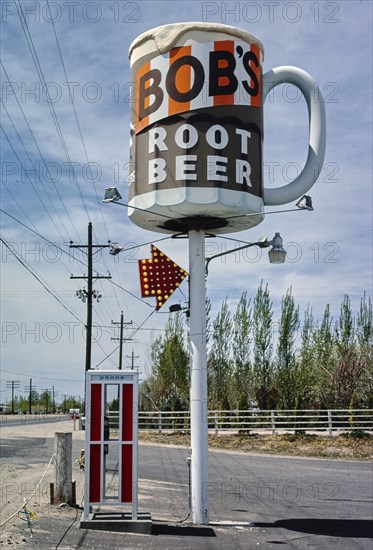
316,149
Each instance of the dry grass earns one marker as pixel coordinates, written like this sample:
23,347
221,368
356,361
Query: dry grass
351,446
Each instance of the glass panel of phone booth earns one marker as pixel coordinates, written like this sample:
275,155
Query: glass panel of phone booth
111,435
111,408
111,472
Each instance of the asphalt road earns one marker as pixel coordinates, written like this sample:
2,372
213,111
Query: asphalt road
254,502
17,420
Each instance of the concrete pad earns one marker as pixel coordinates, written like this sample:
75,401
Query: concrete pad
119,522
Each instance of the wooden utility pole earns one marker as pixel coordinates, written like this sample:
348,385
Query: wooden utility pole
89,294
133,357
30,398
121,339
12,384
47,393
30,389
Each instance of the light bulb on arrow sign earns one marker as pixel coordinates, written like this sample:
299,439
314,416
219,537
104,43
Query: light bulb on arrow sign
159,276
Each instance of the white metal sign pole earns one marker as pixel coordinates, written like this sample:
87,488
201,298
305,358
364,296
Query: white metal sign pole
198,389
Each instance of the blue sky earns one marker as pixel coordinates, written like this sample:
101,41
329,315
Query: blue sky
329,250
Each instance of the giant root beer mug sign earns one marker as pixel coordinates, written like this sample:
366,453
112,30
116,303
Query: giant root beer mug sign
197,129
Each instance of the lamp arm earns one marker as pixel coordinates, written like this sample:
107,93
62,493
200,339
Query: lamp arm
141,209
261,244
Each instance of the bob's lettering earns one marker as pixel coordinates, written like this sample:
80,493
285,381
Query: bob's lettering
182,82
198,79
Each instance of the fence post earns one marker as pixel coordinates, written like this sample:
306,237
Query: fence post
159,421
216,417
273,422
63,467
330,422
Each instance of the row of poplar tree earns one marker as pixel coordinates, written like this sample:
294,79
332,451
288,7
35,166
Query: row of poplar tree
305,364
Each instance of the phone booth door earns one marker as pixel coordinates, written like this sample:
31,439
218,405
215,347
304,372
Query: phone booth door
111,441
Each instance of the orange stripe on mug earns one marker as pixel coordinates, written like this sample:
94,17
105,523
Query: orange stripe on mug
143,122
182,80
223,45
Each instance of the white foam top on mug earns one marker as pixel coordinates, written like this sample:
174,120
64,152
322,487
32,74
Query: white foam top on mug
166,36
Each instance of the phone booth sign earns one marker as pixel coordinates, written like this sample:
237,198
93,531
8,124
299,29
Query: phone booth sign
111,441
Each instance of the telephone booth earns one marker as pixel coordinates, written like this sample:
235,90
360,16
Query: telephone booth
111,444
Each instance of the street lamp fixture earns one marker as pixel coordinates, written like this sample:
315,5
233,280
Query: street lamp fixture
115,248
175,308
305,203
112,195
277,254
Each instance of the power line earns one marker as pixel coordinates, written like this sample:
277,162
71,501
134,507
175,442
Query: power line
41,76
67,253
19,206
39,151
39,70
41,236
27,176
40,281
77,259
142,324
40,179
130,336
71,99
107,357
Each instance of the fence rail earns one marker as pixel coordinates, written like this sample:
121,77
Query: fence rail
329,421
323,421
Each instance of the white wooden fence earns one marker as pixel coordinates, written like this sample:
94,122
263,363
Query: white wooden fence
329,421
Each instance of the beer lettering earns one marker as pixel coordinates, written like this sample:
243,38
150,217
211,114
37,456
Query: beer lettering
216,167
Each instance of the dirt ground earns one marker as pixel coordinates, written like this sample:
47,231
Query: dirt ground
347,446
21,468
